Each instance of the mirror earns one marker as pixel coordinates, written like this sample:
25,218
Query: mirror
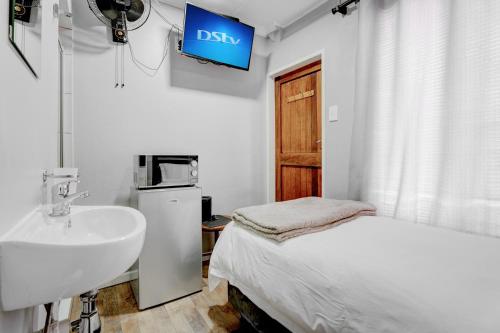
25,31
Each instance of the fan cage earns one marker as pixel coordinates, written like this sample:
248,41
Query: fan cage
131,26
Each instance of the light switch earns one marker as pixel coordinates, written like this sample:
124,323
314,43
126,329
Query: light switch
333,113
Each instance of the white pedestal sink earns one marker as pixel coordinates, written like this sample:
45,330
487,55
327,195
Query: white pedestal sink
46,259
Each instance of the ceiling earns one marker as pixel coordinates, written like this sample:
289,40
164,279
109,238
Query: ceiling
265,15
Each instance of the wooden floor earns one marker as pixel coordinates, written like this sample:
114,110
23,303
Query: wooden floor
201,312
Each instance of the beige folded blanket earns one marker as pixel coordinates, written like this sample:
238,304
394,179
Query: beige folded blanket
283,220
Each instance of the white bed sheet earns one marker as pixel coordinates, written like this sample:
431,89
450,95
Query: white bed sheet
373,274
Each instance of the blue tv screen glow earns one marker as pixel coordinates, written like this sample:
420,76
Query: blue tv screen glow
213,37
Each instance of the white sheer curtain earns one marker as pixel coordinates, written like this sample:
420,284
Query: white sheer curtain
426,139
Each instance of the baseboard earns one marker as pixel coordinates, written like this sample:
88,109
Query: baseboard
125,277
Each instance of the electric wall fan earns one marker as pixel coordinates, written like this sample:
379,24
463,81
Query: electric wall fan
121,16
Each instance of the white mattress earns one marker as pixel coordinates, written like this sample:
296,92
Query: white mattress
373,274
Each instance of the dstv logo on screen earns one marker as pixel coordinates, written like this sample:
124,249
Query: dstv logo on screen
218,37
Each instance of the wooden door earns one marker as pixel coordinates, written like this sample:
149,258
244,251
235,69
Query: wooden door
298,133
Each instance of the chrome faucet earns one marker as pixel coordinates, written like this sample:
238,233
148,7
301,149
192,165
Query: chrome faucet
62,205
61,198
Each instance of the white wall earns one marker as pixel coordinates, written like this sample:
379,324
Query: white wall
218,113
215,112
336,37
28,134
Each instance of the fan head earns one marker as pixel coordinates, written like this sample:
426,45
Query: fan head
136,12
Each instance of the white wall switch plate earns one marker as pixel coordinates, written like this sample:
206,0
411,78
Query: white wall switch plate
333,113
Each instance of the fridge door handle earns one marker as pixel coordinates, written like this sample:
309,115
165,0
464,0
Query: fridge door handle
173,201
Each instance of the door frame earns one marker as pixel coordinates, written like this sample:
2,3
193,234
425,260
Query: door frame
271,122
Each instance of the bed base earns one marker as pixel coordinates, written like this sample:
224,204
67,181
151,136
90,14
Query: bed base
253,318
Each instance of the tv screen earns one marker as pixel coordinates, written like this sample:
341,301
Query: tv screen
216,38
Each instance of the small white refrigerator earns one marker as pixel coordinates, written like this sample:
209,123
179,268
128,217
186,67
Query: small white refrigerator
170,262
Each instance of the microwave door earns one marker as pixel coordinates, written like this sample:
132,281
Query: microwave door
173,174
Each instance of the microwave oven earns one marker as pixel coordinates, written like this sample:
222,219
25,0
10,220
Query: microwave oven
163,171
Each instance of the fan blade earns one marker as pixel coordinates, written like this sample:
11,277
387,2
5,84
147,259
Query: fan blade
107,9
111,14
136,10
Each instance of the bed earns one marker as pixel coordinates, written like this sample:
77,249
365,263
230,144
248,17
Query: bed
373,274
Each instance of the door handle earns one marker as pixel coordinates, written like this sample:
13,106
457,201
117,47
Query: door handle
318,141
173,201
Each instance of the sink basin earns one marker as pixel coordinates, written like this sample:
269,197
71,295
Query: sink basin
45,259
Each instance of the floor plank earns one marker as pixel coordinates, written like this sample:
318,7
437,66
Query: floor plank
202,312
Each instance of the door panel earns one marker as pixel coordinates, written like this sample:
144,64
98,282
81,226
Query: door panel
299,182
298,133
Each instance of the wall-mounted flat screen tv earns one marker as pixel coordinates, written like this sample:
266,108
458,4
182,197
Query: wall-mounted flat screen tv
216,38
